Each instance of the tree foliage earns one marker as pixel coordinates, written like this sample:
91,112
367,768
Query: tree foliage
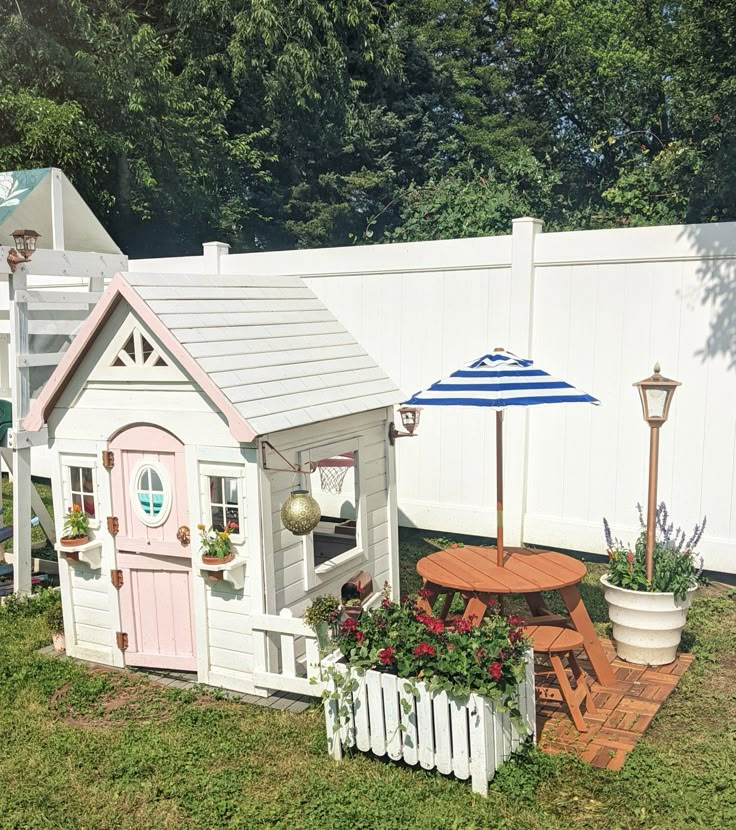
281,123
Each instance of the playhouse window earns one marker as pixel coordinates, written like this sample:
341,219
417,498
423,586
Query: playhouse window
81,481
335,486
224,502
151,494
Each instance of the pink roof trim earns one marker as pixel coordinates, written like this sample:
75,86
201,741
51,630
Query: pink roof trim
119,287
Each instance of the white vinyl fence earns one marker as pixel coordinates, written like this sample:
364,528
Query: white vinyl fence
596,308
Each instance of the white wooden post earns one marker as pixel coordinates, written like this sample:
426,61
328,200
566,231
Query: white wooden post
57,210
521,323
20,401
212,253
393,514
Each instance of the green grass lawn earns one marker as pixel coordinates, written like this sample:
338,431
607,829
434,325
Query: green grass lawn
84,749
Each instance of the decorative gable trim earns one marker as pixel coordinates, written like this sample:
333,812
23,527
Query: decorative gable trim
119,288
137,351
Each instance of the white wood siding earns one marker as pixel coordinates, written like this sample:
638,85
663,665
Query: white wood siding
287,553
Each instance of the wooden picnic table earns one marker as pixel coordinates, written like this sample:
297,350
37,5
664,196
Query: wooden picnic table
473,572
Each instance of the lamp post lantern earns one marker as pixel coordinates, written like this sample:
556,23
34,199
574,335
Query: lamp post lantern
656,393
25,246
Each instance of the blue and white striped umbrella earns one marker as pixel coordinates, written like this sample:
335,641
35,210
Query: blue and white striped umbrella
499,380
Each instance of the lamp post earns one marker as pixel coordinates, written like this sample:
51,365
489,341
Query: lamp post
656,394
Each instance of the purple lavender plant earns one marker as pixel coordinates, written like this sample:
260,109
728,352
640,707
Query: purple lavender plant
675,568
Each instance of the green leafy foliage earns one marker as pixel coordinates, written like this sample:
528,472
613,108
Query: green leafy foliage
458,657
675,566
280,123
323,609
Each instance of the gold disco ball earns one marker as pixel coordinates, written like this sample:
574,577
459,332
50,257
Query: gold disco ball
300,513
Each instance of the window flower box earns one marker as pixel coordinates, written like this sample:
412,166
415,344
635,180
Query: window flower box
89,553
231,571
389,716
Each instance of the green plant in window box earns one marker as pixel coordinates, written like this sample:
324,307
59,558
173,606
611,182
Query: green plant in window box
76,527
216,545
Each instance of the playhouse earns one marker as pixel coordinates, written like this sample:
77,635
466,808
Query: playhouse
185,400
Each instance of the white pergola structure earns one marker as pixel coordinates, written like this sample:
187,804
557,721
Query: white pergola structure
47,299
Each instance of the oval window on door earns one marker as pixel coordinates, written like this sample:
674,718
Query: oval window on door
150,493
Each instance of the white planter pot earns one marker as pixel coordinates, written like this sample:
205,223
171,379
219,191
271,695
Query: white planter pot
466,738
646,625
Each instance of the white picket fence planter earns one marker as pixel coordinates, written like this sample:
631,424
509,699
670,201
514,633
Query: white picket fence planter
466,738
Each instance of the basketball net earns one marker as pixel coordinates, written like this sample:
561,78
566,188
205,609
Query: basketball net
332,472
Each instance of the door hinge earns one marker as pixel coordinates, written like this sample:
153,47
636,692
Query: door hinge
108,459
113,525
122,640
116,577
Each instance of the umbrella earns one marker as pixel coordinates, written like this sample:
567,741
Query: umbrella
500,380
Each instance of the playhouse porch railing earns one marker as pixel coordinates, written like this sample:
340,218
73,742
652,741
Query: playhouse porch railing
286,655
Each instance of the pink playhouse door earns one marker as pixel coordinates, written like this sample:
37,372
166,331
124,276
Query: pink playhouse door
150,504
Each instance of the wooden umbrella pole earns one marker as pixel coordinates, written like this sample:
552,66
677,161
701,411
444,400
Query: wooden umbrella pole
499,487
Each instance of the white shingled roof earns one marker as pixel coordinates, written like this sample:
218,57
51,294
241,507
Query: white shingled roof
272,347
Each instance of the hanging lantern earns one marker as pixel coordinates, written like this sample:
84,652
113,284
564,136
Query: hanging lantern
300,513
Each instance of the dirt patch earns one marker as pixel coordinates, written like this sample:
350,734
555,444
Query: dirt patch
104,697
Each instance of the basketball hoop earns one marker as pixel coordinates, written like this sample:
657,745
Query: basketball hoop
332,472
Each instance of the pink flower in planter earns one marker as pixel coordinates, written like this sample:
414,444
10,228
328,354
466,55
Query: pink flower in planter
495,670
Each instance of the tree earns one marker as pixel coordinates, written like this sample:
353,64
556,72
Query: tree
97,90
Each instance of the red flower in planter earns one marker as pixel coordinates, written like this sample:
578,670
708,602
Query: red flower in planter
386,602
434,625
516,635
348,625
386,655
424,648
424,593
479,654
495,670
463,626
359,636
514,620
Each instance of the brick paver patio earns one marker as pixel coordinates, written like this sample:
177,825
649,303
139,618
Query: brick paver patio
624,711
